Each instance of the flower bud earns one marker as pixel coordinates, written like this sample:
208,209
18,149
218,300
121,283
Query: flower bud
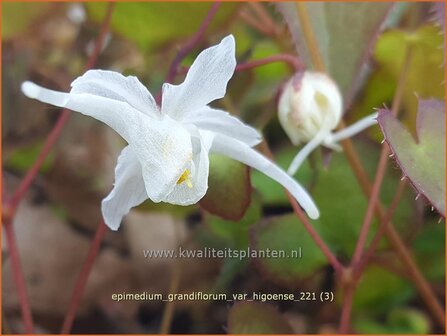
309,102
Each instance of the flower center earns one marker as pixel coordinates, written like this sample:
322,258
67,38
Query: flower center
185,177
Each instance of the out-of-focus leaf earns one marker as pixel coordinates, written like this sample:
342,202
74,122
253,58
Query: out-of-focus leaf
422,161
344,50
256,318
285,234
271,191
379,291
399,321
229,188
152,24
19,16
334,187
425,77
23,159
236,232
429,250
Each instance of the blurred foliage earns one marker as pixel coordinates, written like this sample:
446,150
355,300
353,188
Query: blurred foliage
425,77
20,160
286,233
152,25
256,318
399,321
18,16
229,188
332,188
40,43
380,290
345,61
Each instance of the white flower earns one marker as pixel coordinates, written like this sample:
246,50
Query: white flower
166,159
309,109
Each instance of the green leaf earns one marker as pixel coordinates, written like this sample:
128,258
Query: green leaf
286,234
236,232
399,321
429,250
19,16
344,49
425,77
153,24
24,158
256,318
422,161
229,188
379,291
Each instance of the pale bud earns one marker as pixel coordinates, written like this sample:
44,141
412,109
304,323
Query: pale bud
310,102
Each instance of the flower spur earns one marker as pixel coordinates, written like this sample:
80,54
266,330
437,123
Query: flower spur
166,159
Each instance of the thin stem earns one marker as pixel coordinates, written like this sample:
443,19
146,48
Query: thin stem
380,174
83,277
338,267
387,219
12,204
169,309
264,16
190,45
63,118
309,37
292,60
356,165
381,167
346,309
19,279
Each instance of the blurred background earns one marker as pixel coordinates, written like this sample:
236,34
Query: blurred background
49,43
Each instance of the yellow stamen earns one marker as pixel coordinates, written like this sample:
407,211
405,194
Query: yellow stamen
185,177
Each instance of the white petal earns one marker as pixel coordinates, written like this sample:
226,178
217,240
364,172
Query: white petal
119,115
222,122
162,146
115,86
187,195
355,128
127,192
164,151
306,150
206,80
243,153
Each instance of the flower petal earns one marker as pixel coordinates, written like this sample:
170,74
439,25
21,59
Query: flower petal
165,151
119,115
222,122
239,151
113,85
127,192
354,129
198,185
206,80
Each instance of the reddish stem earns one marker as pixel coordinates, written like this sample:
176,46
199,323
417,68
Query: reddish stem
12,204
338,267
62,120
191,44
381,167
346,309
292,60
83,277
386,221
19,279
